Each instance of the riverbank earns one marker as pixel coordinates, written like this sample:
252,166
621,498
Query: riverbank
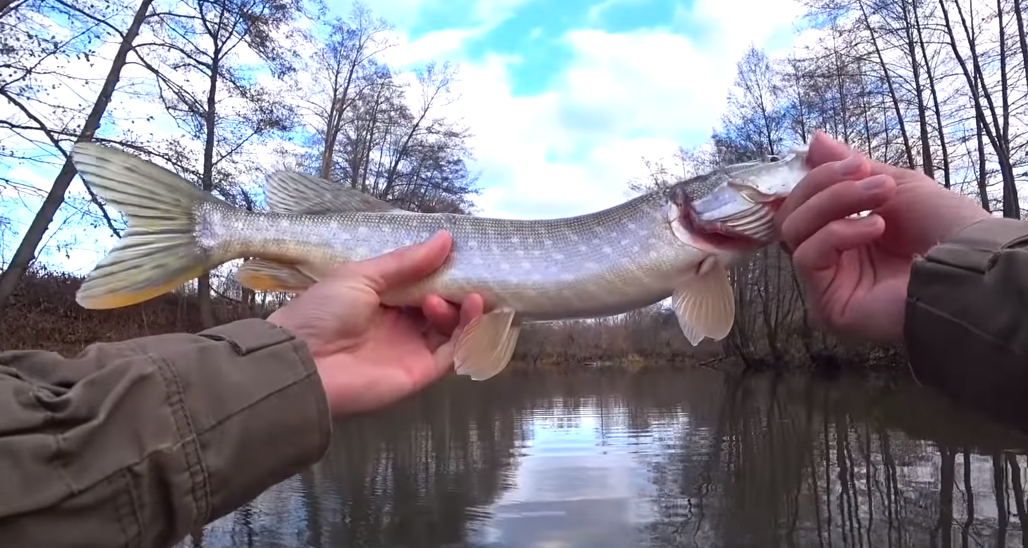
43,314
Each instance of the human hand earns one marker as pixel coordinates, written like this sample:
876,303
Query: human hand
855,272
369,355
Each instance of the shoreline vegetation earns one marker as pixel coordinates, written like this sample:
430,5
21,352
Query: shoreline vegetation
936,87
43,314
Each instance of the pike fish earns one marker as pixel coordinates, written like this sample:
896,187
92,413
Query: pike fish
673,242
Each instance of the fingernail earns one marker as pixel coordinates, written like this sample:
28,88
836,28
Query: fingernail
851,165
872,184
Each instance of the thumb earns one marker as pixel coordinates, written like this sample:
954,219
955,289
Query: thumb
824,149
405,265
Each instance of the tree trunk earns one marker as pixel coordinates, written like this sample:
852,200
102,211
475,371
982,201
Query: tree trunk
26,251
203,283
947,181
1010,206
927,165
1022,39
892,89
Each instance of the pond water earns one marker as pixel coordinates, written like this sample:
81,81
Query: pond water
686,458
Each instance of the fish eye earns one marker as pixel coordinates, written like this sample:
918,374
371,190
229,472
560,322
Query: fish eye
773,158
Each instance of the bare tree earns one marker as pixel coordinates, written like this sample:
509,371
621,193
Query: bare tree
21,84
225,110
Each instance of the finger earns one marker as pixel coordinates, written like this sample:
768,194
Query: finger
836,202
821,252
444,315
824,149
852,168
405,265
470,309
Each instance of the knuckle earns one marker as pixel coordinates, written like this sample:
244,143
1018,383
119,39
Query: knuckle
834,230
789,233
844,198
803,260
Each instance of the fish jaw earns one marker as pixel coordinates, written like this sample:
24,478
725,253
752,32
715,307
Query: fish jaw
739,213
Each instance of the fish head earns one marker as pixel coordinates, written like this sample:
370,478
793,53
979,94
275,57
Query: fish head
733,207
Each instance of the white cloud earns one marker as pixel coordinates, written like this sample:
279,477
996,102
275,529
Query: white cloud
573,148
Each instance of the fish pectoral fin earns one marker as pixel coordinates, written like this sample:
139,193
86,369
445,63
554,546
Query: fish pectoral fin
265,275
292,192
704,304
487,344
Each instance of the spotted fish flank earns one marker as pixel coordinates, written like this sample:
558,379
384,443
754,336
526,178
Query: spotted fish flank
676,242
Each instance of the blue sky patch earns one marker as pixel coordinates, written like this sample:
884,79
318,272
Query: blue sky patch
534,31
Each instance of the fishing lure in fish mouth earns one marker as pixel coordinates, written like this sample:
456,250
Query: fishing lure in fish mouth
675,243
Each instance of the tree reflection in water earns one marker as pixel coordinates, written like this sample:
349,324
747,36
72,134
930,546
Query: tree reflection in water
721,461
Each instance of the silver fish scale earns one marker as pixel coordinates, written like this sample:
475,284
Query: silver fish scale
592,265
700,186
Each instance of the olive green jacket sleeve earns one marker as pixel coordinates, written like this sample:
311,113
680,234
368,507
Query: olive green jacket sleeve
966,326
142,442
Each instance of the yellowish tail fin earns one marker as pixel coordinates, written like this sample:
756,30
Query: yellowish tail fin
158,252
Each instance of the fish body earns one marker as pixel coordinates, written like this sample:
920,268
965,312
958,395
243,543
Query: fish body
675,242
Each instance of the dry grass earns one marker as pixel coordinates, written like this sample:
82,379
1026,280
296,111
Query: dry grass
43,314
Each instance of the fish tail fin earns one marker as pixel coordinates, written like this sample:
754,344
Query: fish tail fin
159,251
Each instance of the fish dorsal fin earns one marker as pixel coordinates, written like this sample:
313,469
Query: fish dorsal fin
292,192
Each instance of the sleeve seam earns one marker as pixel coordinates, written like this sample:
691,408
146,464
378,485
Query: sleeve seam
128,518
939,313
306,376
189,438
947,264
324,419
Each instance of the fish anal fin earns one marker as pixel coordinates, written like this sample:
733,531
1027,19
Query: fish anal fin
704,303
316,271
486,345
293,192
265,275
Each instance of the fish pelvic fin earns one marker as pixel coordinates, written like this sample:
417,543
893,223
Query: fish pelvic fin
293,192
159,250
265,275
704,303
486,345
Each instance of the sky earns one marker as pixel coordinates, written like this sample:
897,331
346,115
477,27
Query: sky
564,99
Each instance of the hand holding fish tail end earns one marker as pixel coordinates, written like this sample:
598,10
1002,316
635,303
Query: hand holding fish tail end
369,355
855,270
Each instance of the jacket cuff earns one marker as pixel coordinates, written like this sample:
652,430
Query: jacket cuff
965,325
270,425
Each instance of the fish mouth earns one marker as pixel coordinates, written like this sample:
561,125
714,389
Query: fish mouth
740,211
733,216
745,230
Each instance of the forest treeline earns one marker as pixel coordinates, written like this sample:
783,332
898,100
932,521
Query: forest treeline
257,85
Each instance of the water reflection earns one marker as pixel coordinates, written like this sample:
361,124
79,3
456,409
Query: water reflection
662,459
